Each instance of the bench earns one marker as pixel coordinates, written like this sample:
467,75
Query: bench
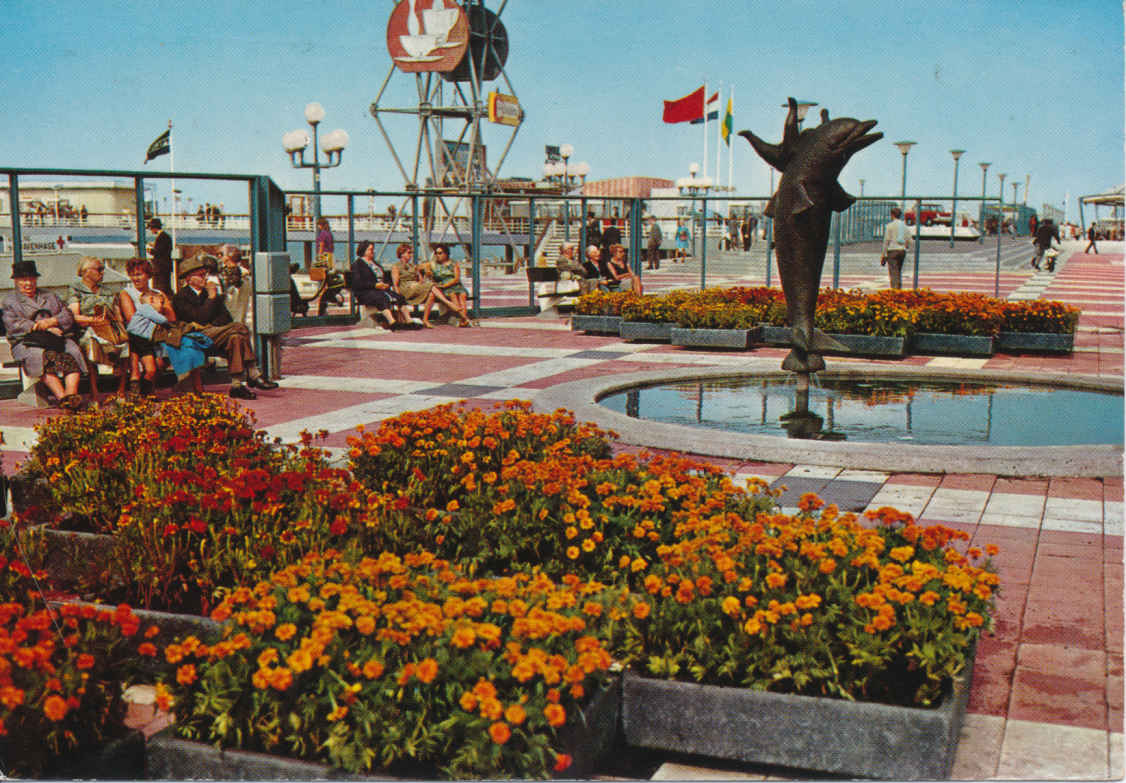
552,290
33,394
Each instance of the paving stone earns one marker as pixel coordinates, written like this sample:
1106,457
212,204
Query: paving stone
1039,751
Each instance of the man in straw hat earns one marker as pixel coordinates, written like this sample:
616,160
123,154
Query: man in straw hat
198,300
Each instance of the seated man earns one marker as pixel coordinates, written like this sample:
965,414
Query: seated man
570,268
199,301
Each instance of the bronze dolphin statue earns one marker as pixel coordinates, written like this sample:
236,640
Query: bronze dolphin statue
810,161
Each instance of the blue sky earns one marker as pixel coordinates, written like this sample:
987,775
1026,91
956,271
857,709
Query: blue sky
1035,88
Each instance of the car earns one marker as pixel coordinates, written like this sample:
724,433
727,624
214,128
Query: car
930,214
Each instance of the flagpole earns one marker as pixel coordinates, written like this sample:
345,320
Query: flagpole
705,128
172,171
730,146
718,142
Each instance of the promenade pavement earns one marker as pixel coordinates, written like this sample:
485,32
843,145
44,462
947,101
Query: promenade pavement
1047,695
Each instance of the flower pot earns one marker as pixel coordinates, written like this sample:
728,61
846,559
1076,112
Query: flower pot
29,492
952,344
645,330
801,732
73,558
774,335
1035,341
739,339
170,758
870,345
596,324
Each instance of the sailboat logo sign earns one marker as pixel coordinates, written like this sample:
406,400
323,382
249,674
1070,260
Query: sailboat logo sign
427,35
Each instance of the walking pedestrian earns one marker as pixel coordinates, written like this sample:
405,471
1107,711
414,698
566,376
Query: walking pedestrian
1046,231
1091,236
896,241
161,255
654,246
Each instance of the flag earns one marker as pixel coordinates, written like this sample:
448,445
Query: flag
160,146
686,109
713,110
728,121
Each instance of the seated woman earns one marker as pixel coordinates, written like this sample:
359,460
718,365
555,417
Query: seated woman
370,287
617,269
142,351
447,280
103,339
415,283
37,322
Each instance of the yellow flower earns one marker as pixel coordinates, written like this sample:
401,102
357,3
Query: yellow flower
731,606
588,545
573,552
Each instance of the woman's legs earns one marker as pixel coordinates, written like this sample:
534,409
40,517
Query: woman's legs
459,305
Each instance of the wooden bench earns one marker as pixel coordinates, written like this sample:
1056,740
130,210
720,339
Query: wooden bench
547,280
33,394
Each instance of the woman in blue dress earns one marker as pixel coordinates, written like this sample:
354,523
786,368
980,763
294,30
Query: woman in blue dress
682,240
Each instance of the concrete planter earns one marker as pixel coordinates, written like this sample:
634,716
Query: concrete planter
739,339
1035,341
774,335
871,345
169,758
75,559
118,759
800,732
952,344
644,330
596,324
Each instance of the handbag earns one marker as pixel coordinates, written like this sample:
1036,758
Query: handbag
48,341
317,273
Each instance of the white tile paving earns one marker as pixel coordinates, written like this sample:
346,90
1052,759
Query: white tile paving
956,505
905,497
1042,751
1073,509
811,471
1015,503
873,476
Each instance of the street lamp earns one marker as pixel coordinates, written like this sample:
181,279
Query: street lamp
954,201
1001,205
1016,186
333,144
981,212
904,147
861,187
1000,222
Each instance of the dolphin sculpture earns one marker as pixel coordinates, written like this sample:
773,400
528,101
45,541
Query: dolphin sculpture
810,161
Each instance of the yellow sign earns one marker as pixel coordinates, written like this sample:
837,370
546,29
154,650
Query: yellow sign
504,109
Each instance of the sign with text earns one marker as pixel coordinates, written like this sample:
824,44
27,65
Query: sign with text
504,109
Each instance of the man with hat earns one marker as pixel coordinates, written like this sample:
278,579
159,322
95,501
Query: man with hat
161,253
36,323
198,300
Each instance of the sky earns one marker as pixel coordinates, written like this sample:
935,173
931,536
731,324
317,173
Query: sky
1035,88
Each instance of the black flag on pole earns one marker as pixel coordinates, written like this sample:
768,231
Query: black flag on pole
160,146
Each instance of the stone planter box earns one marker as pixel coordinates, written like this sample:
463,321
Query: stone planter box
74,557
118,759
774,335
1035,341
739,339
596,324
871,345
169,758
952,344
800,732
644,330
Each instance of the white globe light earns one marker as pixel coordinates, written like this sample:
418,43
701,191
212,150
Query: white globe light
295,140
566,150
693,168
314,113
334,141
582,169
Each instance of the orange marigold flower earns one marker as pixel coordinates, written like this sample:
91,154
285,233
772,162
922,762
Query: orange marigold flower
373,669
55,708
337,713
562,762
991,550
752,626
573,552
555,714
491,709
731,605
499,732
468,701
484,689
810,502
902,553
147,649
641,610
285,632
775,580
164,699
515,714
427,670
281,679
85,661
463,637
185,675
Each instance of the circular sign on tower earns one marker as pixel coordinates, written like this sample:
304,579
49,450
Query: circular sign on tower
427,35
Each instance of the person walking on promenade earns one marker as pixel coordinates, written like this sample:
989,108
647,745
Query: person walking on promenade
682,240
611,234
896,241
198,300
161,254
1091,236
1046,231
654,246
593,231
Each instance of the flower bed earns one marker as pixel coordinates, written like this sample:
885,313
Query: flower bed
891,313
406,665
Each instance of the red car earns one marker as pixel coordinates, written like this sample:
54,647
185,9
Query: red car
930,215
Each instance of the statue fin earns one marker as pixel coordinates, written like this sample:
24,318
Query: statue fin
769,210
804,202
773,154
824,116
839,199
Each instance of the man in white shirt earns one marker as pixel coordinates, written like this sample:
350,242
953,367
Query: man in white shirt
897,239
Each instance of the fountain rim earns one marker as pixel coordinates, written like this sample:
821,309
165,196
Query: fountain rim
1085,460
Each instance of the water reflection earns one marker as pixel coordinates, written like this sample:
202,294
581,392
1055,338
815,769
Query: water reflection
883,411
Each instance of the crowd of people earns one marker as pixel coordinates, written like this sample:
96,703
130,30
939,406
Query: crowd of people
137,332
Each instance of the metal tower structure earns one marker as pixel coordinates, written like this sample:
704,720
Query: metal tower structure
452,51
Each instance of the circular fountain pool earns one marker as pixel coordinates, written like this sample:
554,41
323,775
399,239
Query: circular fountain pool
883,410
1058,434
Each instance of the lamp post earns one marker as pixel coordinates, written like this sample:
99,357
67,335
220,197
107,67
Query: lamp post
333,144
981,212
1016,187
904,148
954,201
697,186
1000,225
